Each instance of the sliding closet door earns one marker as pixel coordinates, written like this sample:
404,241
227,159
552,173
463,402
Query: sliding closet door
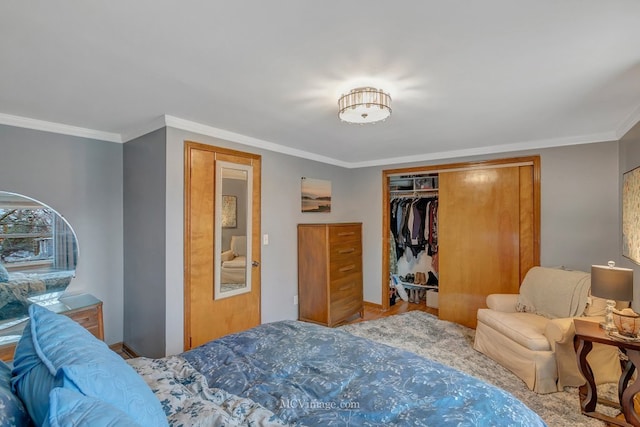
486,237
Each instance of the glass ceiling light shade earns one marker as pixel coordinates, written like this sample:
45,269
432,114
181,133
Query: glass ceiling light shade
364,105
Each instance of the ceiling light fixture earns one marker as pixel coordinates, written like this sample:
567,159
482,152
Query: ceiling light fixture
364,105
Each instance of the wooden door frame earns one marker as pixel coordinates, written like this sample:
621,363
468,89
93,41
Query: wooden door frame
481,164
256,230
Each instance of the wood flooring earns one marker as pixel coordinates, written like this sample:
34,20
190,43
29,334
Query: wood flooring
374,311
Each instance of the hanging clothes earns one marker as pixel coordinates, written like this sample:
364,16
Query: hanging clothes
414,225
431,232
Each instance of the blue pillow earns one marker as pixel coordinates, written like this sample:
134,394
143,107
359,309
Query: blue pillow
55,351
31,380
70,408
12,411
4,274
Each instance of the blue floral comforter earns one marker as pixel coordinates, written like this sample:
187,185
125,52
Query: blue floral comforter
298,373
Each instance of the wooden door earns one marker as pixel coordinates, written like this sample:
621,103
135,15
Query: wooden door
207,316
486,237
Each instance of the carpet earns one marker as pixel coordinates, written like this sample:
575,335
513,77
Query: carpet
452,344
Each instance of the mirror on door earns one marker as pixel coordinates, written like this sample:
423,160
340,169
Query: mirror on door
233,207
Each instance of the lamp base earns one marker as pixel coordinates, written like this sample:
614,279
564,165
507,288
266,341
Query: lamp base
608,328
608,324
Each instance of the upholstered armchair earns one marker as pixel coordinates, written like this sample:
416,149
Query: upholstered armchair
531,333
234,261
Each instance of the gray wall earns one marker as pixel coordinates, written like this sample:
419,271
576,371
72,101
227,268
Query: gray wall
580,205
629,159
81,179
144,170
281,212
579,217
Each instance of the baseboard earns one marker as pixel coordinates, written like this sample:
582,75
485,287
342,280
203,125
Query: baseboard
129,351
372,305
124,350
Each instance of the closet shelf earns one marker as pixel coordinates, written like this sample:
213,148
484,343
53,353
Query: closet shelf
413,184
413,192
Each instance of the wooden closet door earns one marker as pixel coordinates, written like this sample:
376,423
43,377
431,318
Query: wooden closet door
482,231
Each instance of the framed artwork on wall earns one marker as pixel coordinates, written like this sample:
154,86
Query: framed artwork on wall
229,212
315,195
631,215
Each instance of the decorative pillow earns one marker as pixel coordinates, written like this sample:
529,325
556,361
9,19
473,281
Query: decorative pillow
596,307
239,245
70,408
12,411
4,274
55,351
31,380
226,256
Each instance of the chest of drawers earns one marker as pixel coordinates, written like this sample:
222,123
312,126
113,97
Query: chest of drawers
329,272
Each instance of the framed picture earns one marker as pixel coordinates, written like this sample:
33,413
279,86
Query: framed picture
229,212
315,195
631,215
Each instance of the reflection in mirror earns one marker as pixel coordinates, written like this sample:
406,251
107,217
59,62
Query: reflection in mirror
233,206
38,256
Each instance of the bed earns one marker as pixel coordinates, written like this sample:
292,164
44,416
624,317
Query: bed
281,373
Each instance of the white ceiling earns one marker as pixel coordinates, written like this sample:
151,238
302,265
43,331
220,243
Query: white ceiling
466,77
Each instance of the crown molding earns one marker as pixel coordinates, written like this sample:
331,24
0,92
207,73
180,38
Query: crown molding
493,149
25,122
152,126
628,123
190,126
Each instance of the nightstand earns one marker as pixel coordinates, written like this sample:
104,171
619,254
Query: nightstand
588,333
83,308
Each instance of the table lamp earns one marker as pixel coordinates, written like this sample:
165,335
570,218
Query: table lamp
613,284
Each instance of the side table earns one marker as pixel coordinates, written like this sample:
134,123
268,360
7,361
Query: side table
588,333
83,308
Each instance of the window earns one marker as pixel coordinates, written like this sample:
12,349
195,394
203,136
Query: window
26,236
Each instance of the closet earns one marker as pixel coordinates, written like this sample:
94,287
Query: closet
487,229
414,235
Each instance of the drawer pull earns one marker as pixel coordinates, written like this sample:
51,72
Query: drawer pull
347,251
347,286
346,233
347,268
